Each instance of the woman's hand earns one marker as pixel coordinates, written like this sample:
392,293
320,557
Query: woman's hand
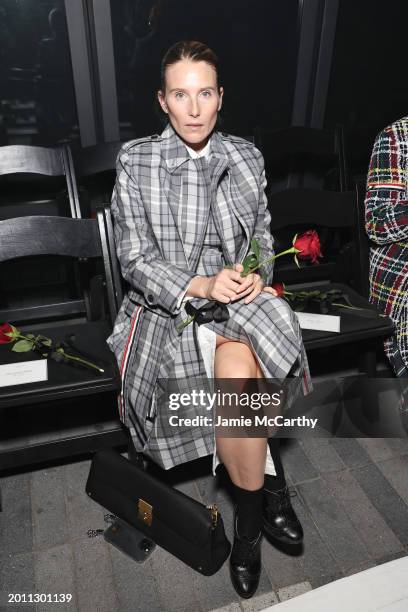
224,285
253,285
228,286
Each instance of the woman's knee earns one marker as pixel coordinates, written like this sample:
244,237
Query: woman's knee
235,360
220,340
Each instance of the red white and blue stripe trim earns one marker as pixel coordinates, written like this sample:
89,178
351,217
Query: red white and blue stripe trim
125,359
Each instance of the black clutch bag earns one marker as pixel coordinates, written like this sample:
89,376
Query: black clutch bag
183,526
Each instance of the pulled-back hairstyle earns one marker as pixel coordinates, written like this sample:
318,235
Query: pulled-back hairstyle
189,50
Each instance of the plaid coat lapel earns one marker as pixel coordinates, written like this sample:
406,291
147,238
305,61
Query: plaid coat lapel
183,178
174,155
180,178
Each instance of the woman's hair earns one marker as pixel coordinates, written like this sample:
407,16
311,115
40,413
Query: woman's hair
190,50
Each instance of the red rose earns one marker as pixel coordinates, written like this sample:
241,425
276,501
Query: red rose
6,328
279,288
309,246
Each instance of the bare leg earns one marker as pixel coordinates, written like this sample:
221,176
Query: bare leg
244,458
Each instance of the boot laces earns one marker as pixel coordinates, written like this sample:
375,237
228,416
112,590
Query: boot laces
280,500
245,549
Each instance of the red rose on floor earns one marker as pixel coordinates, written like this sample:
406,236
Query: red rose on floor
5,329
279,288
309,246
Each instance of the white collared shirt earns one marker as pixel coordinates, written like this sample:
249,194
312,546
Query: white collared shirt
205,152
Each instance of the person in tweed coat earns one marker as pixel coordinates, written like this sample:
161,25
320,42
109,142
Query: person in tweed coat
186,204
386,209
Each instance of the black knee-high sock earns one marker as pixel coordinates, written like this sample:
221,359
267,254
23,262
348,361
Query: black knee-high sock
274,483
249,511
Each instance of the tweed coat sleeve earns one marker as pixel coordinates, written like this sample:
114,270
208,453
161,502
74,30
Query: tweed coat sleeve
262,225
386,203
161,282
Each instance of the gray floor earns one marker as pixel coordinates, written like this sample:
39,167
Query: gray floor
352,498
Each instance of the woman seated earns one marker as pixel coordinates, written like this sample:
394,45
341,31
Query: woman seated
186,205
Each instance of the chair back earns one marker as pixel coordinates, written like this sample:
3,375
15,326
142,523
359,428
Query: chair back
44,236
301,156
40,161
90,161
334,216
38,181
95,169
116,283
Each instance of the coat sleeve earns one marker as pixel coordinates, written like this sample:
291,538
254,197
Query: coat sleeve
162,283
386,204
263,221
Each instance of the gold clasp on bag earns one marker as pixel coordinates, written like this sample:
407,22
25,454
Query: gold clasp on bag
214,514
144,512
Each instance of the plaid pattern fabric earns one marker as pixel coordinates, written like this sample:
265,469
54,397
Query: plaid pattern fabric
160,250
386,207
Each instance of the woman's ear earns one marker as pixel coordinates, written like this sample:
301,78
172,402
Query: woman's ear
162,101
220,100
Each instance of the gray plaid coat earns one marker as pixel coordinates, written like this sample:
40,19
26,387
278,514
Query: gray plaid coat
160,205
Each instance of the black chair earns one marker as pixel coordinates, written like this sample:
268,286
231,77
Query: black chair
334,216
117,285
74,410
303,157
319,210
37,181
95,169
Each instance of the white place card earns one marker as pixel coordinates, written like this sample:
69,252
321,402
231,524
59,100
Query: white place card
309,320
23,372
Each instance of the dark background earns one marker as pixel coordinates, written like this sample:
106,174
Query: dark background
86,71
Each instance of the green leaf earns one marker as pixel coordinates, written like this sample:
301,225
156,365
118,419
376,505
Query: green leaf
47,342
250,259
255,247
30,335
22,346
249,262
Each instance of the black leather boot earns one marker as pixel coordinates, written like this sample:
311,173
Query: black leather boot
279,518
245,563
